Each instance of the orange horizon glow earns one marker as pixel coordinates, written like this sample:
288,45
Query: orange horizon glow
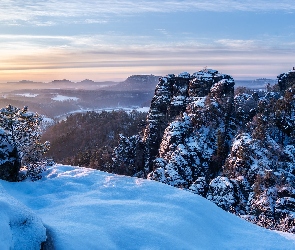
52,64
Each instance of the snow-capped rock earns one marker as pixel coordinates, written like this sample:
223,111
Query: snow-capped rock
238,151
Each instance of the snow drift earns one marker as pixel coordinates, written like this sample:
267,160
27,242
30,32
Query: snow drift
88,209
20,228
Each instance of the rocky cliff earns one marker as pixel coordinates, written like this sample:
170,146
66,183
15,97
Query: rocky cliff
237,151
183,95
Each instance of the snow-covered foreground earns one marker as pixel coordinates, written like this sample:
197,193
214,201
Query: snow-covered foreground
88,209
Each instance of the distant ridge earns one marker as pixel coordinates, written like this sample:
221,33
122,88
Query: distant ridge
140,82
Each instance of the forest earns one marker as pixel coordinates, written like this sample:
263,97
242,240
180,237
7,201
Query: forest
88,139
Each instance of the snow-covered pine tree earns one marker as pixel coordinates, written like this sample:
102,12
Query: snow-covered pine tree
9,167
128,156
23,133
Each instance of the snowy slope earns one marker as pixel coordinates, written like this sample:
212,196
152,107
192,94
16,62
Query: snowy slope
20,228
88,209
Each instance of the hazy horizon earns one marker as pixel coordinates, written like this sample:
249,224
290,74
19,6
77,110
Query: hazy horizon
111,40
117,80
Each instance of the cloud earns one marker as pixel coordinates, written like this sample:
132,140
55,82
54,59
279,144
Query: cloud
105,58
163,32
35,11
239,44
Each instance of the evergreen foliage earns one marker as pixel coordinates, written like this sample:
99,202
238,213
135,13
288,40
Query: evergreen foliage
21,136
88,139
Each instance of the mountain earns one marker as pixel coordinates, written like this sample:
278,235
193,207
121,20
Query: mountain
60,98
260,83
235,148
139,82
88,209
132,83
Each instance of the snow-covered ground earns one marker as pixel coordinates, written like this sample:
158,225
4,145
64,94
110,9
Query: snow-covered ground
143,109
29,95
88,209
62,98
78,111
20,228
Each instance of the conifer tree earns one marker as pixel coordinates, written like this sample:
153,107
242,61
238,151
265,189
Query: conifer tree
24,133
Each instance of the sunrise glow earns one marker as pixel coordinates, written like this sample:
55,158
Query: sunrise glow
110,40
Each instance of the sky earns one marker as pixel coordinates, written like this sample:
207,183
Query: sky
43,40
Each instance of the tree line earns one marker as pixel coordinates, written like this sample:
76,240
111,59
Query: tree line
88,139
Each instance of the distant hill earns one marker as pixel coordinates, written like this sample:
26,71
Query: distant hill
86,84
55,84
255,84
138,82
134,82
61,97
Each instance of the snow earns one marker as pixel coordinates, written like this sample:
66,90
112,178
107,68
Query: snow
88,209
199,102
184,75
177,103
20,228
29,95
212,71
63,117
203,74
165,79
221,191
62,98
143,109
242,139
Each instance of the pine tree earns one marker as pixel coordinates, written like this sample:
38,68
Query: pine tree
128,156
24,133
